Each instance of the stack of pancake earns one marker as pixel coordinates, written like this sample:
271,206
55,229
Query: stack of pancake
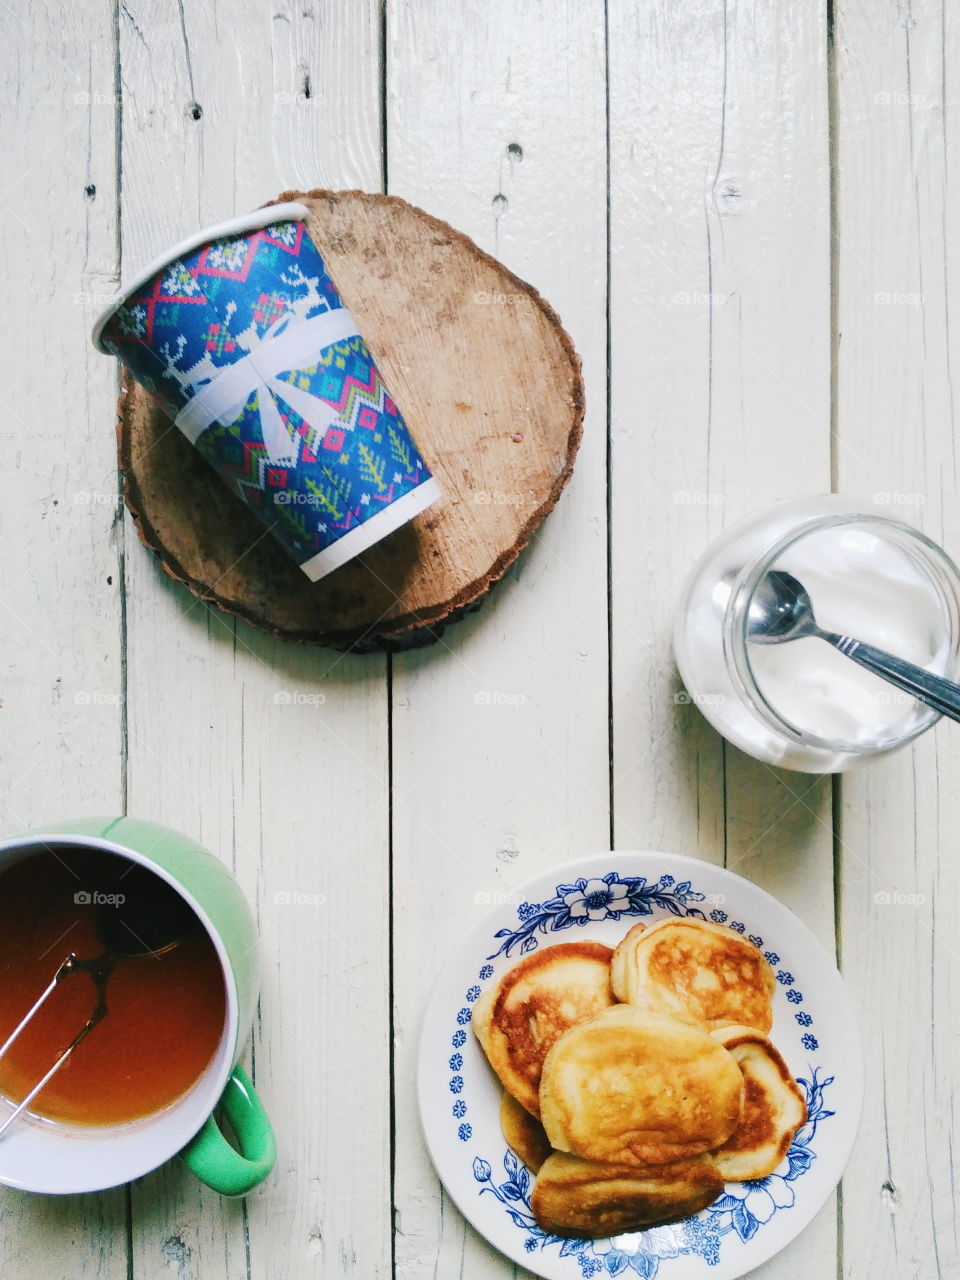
638,1080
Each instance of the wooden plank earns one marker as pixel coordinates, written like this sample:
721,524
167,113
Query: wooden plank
496,124
61,570
898,199
720,404
274,756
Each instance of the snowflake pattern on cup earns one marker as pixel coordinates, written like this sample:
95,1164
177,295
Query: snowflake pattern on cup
314,445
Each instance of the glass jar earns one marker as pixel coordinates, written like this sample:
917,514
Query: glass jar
801,704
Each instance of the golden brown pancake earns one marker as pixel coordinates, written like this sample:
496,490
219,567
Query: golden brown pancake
524,1133
588,1200
773,1109
518,1018
622,961
700,972
636,1088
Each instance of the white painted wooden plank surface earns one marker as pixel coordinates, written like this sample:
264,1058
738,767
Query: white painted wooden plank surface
720,398
720,404
496,123
290,791
60,576
898,196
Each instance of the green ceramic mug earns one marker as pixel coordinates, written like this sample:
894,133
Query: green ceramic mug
58,1159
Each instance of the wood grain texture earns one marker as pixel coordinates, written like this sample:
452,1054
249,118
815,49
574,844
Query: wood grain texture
500,733
490,387
275,757
720,404
898,200
495,120
60,571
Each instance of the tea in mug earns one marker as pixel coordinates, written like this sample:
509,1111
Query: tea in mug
165,995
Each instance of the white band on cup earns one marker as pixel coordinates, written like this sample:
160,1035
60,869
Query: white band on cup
362,536
290,343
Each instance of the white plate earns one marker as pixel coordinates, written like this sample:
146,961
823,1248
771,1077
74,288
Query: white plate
599,898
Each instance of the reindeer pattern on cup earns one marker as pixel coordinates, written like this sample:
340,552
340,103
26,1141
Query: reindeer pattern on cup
249,344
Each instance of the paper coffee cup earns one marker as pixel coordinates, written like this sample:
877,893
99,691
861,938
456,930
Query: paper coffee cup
242,334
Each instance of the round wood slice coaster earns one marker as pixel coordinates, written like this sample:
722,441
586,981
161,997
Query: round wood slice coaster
490,386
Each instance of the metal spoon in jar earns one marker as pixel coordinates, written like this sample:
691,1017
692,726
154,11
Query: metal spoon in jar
150,926
780,610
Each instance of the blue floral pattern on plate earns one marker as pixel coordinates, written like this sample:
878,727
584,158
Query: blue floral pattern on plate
600,898
744,1207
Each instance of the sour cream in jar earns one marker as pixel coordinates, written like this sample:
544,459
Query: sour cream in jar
802,704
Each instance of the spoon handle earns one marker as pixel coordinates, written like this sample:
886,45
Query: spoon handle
937,692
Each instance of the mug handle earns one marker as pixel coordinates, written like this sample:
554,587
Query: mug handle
211,1157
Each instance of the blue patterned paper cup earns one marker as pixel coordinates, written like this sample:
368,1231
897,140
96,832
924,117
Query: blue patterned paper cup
242,334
